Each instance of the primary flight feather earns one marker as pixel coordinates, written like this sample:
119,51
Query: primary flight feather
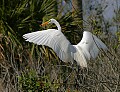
87,48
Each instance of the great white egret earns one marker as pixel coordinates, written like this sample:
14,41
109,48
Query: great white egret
87,48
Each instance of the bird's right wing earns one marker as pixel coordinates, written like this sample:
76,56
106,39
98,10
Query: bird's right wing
53,39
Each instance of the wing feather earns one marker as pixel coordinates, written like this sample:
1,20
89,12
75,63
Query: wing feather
90,45
99,43
53,39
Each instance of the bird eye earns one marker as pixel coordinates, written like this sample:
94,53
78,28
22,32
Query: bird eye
49,21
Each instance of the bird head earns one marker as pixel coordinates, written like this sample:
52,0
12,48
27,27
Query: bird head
48,22
52,20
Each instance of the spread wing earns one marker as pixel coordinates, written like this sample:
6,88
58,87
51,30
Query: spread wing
98,44
53,39
90,45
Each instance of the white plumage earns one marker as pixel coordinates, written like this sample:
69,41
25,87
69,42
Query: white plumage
87,48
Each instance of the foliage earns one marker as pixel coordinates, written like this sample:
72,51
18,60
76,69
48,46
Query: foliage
30,82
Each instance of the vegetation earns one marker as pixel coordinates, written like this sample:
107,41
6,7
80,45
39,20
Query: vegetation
25,67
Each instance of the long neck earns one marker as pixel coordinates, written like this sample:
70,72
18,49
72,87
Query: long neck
58,25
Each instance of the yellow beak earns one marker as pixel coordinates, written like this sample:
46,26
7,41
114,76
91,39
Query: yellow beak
44,24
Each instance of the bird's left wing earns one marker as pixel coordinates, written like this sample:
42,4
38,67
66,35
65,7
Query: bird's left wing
53,39
90,45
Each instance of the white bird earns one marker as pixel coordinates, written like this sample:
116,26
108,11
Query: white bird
87,48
